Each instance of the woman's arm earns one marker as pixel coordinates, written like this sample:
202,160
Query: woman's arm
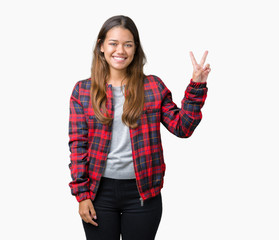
78,144
183,121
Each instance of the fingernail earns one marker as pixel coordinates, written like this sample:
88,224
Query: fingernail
95,217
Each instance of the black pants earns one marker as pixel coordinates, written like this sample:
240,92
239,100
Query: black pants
119,212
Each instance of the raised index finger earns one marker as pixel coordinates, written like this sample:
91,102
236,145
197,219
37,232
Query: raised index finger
203,58
194,62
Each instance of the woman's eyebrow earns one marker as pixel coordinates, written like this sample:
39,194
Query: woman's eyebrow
113,40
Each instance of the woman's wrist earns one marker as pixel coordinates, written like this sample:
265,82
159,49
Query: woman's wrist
197,84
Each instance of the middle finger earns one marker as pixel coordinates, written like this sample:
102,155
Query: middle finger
203,58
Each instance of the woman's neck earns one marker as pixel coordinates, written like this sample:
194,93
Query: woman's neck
117,79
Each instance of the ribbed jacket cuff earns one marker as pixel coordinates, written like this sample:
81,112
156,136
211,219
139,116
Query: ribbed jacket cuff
83,196
197,84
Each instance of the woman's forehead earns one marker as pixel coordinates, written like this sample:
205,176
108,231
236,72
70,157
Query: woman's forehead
119,34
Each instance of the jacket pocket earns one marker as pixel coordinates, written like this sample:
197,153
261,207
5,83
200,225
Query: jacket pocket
158,176
150,110
150,115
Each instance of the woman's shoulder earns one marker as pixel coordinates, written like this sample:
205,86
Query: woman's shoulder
84,84
81,87
149,79
152,77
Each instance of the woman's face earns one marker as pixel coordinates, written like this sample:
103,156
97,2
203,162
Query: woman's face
119,49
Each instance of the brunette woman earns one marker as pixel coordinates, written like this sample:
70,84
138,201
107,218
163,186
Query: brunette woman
117,163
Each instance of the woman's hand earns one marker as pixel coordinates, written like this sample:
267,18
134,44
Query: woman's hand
200,73
87,211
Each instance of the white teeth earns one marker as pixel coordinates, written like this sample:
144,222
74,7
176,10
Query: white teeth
119,58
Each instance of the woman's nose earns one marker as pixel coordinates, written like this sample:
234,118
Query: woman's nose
120,48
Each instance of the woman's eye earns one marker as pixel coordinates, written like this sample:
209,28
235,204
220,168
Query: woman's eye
126,45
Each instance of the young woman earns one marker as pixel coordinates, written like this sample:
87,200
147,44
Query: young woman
117,163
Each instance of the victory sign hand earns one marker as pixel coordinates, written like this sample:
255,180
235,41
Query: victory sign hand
200,73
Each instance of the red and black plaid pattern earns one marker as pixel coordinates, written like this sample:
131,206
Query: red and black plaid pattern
89,140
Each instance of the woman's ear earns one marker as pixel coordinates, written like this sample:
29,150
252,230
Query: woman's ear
101,45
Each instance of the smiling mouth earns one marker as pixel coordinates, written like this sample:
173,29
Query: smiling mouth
120,59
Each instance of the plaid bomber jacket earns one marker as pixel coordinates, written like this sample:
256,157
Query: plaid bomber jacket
89,140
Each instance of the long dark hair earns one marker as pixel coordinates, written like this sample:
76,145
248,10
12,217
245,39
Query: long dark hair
134,89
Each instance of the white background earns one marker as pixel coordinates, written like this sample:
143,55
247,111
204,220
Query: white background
222,183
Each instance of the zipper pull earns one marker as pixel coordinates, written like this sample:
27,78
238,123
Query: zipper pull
141,202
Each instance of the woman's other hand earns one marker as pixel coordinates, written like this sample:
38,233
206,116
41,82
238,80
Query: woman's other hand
87,211
200,73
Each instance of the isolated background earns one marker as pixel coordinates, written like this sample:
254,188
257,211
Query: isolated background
222,183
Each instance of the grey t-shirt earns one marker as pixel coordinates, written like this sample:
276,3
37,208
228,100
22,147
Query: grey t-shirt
119,160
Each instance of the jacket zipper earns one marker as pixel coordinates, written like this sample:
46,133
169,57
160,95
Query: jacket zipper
140,199
97,187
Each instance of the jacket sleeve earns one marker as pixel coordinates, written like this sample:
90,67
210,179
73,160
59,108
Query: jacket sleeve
78,144
183,121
